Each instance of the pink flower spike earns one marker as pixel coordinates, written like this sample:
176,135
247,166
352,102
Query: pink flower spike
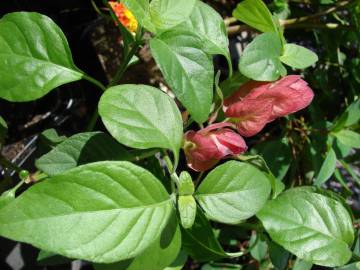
250,115
250,89
228,143
204,148
265,102
290,94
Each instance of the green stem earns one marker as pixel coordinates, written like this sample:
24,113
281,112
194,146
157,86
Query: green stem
115,80
143,155
124,32
198,179
350,171
168,162
329,26
14,189
95,82
251,226
38,176
338,6
9,165
300,22
93,120
98,11
173,176
124,65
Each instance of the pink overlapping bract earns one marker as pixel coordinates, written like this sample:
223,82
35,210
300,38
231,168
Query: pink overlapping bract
249,109
257,103
207,146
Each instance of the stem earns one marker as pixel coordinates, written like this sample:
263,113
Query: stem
18,185
95,82
98,11
124,32
115,80
296,22
38,176
350,171
232,30
338,6
93,120
124,65
197,181
173,176
168,162
329,26
251,226
230,20
9,165
143,155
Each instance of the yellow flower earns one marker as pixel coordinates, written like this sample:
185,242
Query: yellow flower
125,17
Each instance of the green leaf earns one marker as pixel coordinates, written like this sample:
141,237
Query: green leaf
298,56
259,247
348,137
302,265
233,192
260,61
327,168
312,226
258,161
256,14
352,266
341,150
349,117
141,116
141,11
179,262
80,149
102,212
51,258
210,27
187,210
51,137
35,57
7,197
187,69
279,256
278,164
186,185
166,14
356,247
221,266
157,256
200,242
3,131
232,84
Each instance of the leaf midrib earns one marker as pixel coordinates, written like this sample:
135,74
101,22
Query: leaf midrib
183,71
332,237
224,254
43,61
170,144
89,212
223,193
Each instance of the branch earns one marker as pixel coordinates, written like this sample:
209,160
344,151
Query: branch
295,22
338,6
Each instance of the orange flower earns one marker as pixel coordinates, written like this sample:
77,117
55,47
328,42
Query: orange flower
124,15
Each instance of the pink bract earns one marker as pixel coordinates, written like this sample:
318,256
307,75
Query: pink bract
204,148
257,103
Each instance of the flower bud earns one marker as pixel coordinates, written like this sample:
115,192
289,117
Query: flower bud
204,148
257,103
